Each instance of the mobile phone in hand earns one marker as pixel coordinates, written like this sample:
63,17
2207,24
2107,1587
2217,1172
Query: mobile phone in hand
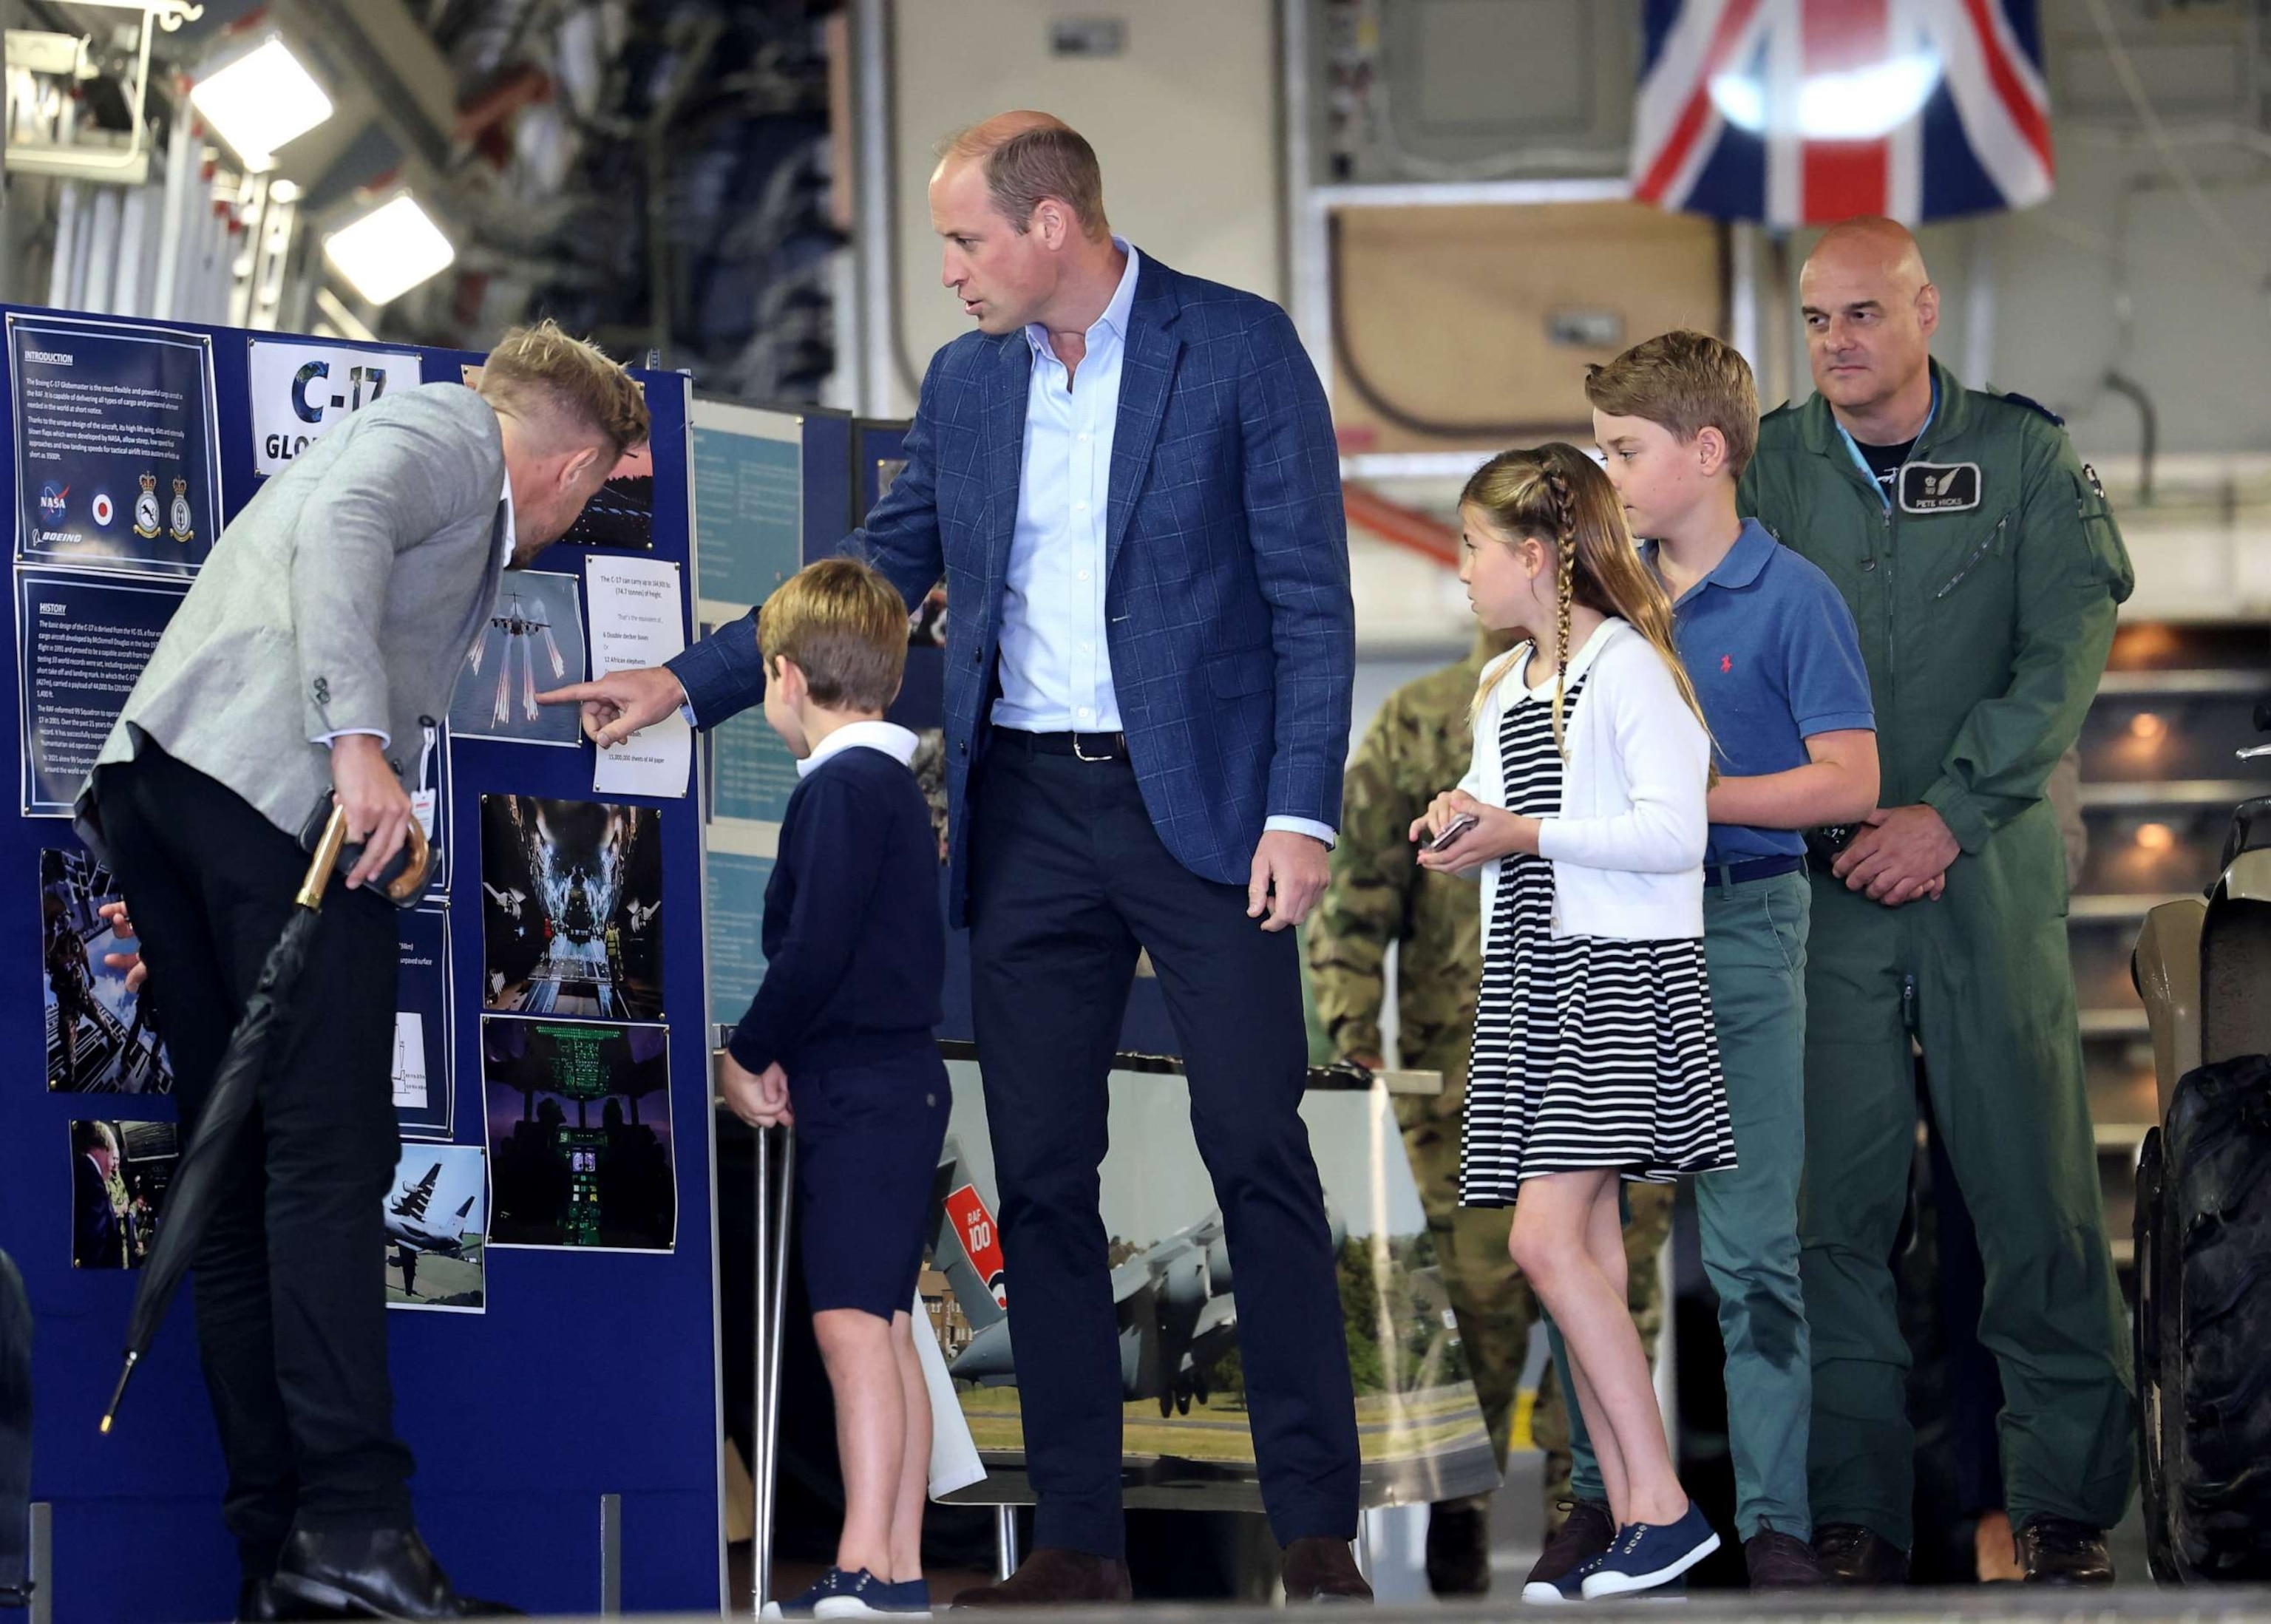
1459,825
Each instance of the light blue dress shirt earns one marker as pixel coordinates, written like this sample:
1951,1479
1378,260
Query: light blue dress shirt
1056,664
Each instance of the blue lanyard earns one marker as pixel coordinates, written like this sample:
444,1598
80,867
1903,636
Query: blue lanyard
1862,463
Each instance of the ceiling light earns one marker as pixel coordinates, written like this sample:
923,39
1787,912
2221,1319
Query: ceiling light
261,100
1861,105
390,250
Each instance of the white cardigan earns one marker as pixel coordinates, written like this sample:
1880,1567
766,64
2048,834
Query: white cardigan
1627,850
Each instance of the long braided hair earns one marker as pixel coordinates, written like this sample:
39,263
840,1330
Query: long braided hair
1558,496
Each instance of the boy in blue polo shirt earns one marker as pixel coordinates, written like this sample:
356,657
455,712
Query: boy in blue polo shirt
837,1043
1775,657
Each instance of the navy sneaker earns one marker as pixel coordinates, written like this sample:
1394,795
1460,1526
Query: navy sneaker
1569,1587
862,1595
910,1598
1646,1554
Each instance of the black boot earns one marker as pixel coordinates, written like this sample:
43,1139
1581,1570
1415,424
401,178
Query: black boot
259,1602
1459,1547
2056,1550
384,1573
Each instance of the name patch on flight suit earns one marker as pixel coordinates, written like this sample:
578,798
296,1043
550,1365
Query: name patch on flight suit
1939,487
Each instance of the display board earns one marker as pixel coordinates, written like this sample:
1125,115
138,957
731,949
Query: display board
574,1355
770,494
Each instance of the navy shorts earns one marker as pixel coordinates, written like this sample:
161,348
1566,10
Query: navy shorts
867,1140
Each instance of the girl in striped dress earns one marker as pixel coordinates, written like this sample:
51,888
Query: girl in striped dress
1594,1055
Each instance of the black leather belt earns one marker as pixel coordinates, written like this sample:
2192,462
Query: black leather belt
1086,746
1757,868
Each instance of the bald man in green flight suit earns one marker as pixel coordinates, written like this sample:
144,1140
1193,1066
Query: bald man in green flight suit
1984,568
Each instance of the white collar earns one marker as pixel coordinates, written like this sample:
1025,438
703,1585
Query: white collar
511,538
894,741
1115,313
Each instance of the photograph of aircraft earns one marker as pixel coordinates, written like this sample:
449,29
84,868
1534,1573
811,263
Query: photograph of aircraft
1178,1317
437,1229
1185,1438
571,896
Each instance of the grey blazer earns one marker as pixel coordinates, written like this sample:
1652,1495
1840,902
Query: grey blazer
346,595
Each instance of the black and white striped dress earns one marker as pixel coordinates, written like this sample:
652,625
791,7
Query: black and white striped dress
1589,1052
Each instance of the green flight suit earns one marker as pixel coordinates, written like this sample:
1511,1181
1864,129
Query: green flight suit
1986,596
1420,745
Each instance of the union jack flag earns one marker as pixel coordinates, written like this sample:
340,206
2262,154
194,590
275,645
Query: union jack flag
1804,112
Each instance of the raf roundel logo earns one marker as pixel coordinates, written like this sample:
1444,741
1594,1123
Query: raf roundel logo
102,509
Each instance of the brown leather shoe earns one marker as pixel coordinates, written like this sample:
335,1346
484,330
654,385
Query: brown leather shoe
2056,1550
1322,1569
1053,1577
1852,1554
1781,1562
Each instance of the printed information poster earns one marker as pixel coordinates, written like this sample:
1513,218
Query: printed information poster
117,453
637,621
302,390
748,504
579,1134
423,1091
81,642
734,916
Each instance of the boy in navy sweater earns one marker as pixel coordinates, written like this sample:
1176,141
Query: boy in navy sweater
838,1043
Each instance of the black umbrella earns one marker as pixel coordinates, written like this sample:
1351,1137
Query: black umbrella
189,1194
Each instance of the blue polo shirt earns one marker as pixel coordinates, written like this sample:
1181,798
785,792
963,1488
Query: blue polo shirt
1776,657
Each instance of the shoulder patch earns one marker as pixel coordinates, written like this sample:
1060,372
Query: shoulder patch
2032,404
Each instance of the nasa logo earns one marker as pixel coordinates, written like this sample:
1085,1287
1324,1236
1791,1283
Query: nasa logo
103,509
51,504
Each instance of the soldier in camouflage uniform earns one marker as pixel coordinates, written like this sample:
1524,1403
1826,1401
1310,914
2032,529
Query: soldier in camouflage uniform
1419,743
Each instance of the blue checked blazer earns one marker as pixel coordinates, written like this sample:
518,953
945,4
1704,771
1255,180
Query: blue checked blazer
1231,628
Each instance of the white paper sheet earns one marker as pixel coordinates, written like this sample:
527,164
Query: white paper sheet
638,619
953,1463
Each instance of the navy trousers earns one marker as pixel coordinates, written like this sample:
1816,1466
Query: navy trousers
1069,879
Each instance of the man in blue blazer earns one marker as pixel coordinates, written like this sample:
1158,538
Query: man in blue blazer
1128,478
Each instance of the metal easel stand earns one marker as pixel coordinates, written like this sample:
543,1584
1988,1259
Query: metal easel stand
776,1186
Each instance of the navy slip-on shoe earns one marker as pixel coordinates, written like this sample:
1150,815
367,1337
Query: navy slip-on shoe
1647,1554
1571,1587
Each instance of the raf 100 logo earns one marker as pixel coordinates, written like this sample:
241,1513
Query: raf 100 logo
313,395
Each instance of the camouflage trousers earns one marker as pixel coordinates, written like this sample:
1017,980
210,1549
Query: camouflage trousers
1495,1306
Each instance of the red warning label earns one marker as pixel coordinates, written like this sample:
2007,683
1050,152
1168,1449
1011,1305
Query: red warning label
980,1239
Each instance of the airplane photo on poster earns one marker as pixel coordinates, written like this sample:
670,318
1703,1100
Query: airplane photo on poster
1177,1315
571,895
1183,1376
437,1229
